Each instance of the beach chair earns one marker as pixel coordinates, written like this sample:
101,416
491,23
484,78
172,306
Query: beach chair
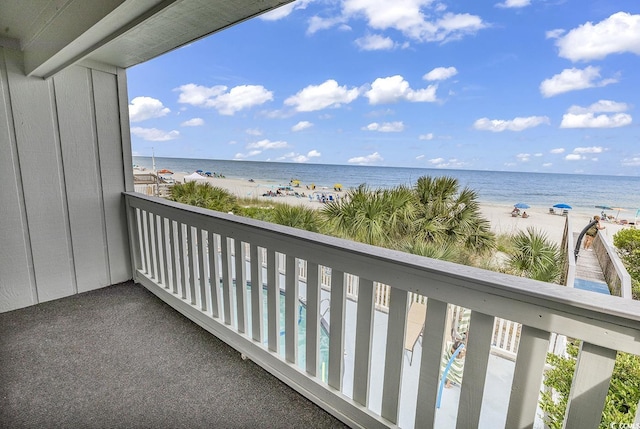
552,210
565,212
415,325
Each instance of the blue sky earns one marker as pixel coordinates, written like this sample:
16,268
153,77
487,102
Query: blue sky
517,85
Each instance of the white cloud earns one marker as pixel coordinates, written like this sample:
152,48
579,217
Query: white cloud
443,163
547,164
194,122
592,149
299,158
419,157
574,79
602,114
247,155
267,144
631,162
411,18
600,106
440,73
302,125
554,34
253,132
574,157
516,124
394,88
225,102
154,134
428,136
537,155
557,150
284,10
368,159
509,4
143,108
614,35
523,157
375,42
385,127
325,95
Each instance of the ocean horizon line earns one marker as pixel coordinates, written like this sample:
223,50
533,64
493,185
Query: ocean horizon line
389,166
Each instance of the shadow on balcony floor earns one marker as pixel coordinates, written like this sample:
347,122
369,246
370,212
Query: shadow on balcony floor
119,357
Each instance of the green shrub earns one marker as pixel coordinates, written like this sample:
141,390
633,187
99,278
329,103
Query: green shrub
621,401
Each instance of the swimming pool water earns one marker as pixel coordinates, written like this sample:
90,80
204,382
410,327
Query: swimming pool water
302,332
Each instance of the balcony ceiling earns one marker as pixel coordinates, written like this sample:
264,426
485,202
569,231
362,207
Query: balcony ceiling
54,34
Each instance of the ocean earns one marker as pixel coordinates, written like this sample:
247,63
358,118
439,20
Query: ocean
540,190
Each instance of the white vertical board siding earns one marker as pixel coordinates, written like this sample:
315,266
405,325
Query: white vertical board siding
63,169
17,286
38,147
114,154
76,124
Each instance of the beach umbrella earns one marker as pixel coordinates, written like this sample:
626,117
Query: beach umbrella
165,171
562,206
620,209
521,205
337,187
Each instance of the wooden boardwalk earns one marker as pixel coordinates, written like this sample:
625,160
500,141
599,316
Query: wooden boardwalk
587,265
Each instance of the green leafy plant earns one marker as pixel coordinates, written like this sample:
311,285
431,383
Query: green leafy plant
621,401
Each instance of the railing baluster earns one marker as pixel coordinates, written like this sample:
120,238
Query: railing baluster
226,280
590,386
336,329
291,310
527,377
313,318
364,338
174,257
394,355
144,231
165,250
156,245
181,262
273,303
150,235
257,312
241,284
191,261
201,270
475,370
433,339
214,273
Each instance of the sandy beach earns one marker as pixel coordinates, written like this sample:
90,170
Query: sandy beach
499,215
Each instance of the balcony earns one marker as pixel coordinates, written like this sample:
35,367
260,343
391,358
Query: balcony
196,259
331,322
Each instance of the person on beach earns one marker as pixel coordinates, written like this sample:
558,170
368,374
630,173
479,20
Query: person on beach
591,233
459,336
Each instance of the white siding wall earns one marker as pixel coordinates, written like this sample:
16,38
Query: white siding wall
63,159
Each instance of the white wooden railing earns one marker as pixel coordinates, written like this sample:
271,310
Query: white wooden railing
184,255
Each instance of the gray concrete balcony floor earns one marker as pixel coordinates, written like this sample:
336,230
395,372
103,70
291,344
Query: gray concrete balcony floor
119,357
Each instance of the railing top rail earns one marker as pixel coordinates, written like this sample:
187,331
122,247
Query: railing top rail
542,305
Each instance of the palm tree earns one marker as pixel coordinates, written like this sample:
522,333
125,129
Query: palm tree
449,214
297,217
534,256
379,217
203,195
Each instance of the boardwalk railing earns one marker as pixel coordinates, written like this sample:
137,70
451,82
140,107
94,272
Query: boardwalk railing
617,277
184,255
